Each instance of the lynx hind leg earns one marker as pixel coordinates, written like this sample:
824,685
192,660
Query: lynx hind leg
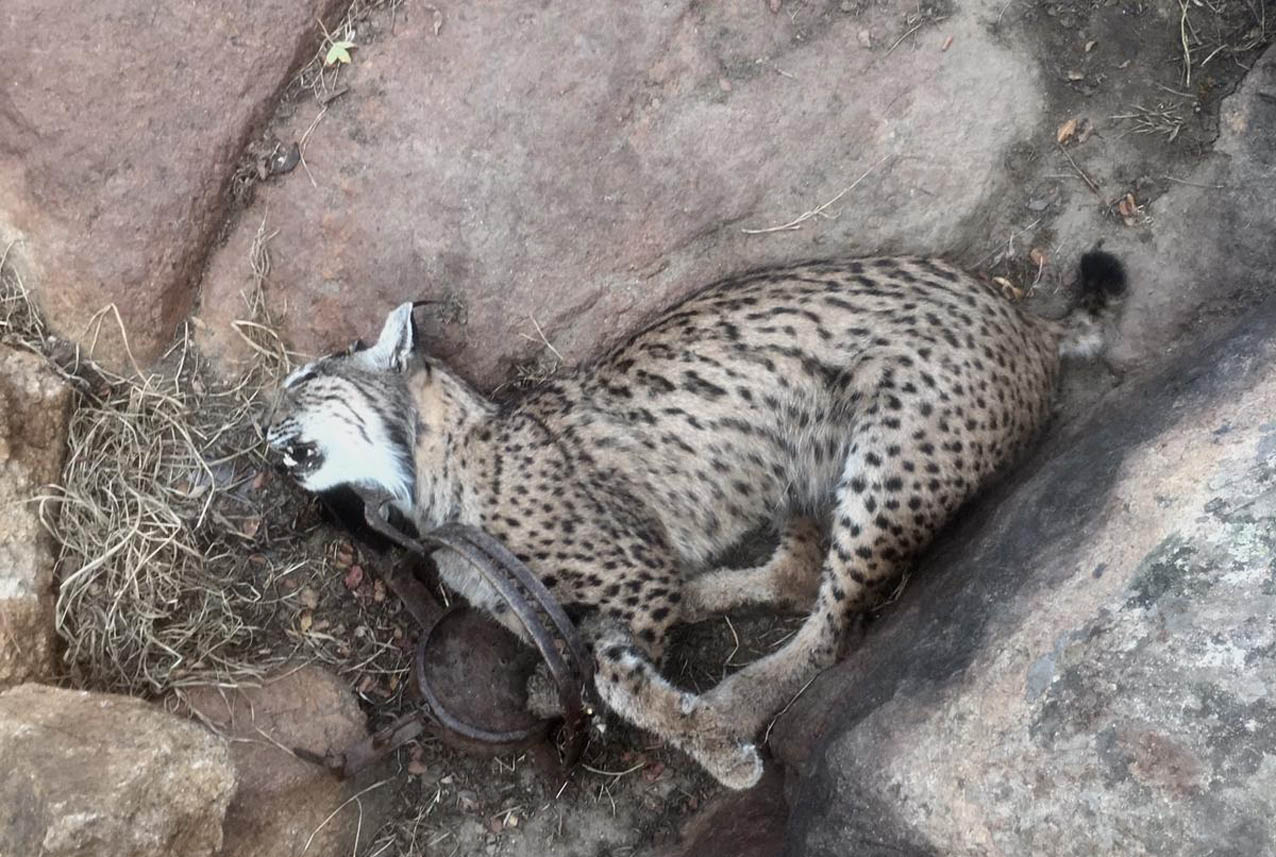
629,684
542,692
889,503
788,581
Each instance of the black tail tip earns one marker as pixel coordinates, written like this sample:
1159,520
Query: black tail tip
1102,279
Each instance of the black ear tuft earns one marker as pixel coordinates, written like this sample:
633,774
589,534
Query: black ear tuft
1102,280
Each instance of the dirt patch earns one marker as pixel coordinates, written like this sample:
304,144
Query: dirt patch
1132,92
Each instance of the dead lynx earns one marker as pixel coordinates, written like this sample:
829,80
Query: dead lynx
862,399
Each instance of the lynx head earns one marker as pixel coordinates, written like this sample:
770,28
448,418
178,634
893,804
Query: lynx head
348,418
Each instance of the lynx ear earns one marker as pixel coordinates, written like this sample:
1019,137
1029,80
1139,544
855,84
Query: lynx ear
394,345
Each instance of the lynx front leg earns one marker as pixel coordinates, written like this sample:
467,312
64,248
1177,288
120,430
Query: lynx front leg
630,685
788,581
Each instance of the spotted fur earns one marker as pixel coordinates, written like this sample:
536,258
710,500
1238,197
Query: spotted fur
855,403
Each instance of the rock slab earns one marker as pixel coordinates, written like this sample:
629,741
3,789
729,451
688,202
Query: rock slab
121,123
1086,664
285,806
737,824
97,775
562,171
35,406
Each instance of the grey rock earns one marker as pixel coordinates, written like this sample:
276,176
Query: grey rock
35,406
1086,664
737,824
97,775
284,805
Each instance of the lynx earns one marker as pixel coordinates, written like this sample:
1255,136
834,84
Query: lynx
852,404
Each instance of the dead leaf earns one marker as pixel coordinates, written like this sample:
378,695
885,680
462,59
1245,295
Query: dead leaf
1066,131
365,684
354,577
250,527
259,481
378,591
1009,289
305,620
652,772
308,598
1128,208
417,768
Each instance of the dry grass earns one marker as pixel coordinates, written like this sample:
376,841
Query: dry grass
324,81
1210,30
181,561
1164,118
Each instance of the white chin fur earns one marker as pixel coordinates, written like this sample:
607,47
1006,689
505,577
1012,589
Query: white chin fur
365,468
349,459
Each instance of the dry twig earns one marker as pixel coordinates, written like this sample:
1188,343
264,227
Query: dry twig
819,210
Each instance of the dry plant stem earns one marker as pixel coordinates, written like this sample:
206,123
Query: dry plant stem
354,797
542,339
900,40
1194,184
1187,52
168,573
1090,183
819,210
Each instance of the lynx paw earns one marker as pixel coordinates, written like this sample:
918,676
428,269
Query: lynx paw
542,694
736,766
